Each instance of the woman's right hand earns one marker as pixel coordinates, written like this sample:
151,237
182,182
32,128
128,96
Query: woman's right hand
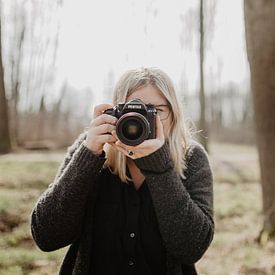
100,125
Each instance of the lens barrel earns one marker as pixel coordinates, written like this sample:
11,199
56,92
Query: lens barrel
132,128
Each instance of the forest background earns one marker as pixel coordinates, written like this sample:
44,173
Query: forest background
61,58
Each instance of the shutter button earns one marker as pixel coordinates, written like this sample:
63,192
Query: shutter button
132,235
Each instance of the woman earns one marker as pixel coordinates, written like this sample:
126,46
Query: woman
143,209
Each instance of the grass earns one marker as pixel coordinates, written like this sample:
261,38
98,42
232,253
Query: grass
237,208
29,174
21,184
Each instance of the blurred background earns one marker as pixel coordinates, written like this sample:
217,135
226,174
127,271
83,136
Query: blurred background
61,58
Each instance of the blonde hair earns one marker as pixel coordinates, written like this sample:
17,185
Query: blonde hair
178,133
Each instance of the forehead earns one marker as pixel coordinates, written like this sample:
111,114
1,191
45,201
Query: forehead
148,94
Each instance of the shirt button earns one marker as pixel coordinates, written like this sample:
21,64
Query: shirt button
132,235
131,263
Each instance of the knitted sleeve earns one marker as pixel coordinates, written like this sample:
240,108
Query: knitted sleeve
57,217
184,208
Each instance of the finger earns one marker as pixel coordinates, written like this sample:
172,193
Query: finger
99,109
102,119
104,128
146,144
113,132
105,138
159,129
126,147
122,150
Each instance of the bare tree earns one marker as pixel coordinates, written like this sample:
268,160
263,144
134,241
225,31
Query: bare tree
206,24
16,62
5,144
202,121
201,23
260,40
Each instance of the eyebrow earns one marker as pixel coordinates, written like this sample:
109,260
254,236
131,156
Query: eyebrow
162,104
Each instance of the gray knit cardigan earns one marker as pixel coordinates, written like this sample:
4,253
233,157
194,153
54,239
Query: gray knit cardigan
64,212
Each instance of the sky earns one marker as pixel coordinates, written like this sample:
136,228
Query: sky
99,36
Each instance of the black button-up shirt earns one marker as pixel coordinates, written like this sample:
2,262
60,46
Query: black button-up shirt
126,237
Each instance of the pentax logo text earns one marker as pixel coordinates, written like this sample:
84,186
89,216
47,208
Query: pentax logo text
134,106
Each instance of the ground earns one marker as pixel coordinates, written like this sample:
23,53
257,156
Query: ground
237,207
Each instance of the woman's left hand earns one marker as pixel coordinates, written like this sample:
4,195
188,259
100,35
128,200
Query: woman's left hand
146,147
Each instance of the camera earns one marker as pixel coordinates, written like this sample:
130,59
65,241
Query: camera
136,121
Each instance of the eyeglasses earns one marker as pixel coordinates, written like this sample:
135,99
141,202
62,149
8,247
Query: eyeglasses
163,111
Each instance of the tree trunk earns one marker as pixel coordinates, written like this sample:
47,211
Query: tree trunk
16,64
260,39
5,144
202,123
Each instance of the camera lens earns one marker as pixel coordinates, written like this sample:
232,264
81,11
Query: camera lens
132,128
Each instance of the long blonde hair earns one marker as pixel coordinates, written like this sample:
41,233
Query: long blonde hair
178,134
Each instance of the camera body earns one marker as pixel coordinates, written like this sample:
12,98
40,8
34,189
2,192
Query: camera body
136,121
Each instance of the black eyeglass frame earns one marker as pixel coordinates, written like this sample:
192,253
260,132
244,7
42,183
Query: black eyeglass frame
166,105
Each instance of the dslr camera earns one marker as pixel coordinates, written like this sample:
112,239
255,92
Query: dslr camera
136,121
